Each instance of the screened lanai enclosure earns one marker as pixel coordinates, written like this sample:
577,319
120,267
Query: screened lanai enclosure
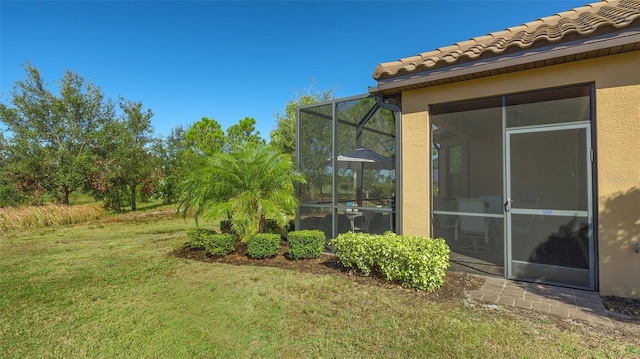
512,184
346,149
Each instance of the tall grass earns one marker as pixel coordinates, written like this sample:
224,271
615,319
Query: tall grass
52,215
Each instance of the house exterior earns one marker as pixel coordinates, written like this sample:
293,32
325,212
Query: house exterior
522,148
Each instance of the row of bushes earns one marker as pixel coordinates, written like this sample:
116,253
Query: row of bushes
415,262
305,244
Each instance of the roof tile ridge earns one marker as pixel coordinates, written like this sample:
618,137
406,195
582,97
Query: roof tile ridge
472,41
533,24
593,7
485,40
409,60
447,49
454,51
432,57
530,26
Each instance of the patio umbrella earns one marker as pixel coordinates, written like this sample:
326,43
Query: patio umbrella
359,160
364,159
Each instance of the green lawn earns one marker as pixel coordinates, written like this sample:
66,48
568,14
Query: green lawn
113,289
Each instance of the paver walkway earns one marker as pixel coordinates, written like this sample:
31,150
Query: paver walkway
563,302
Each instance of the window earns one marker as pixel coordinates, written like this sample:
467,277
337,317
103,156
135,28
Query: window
455,180
467,151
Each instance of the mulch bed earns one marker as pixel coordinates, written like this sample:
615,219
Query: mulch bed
454,289
627,306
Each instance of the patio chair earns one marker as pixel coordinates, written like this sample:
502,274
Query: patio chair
445,221
474,228
368,216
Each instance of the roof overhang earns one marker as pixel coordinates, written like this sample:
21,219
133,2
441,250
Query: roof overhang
623,40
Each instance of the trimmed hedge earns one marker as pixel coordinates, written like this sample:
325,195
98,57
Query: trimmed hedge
305,244
219,245
357,250
416,262
196,237
263,245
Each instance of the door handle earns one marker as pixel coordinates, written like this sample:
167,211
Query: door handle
507,208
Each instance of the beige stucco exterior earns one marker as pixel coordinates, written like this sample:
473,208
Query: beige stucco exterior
617,147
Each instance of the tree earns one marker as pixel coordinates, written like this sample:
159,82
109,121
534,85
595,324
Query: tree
136,159
284,136
124,159
183,150
241,134
205,137
25,173
173,163
250,184
9,195
52,137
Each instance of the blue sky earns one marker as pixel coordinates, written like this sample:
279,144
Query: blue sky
233,59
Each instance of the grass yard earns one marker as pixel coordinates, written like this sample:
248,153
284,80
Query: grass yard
112,288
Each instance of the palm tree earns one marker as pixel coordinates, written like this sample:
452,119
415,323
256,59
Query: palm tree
246,186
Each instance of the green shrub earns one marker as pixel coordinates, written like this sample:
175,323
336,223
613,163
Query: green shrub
263,245
195,242
219,245
356,250
196,237
305,244
416,262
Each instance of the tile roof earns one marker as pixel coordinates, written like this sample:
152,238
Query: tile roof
583,21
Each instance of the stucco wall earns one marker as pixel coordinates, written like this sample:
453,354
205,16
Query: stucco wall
617,81
618,163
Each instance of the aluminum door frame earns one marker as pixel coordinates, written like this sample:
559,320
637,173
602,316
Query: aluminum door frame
507,195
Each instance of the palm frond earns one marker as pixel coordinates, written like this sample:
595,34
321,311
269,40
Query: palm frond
247,186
